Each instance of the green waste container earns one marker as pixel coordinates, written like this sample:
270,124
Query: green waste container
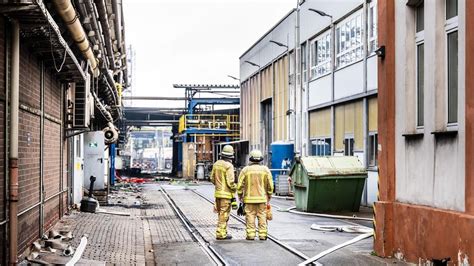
328,184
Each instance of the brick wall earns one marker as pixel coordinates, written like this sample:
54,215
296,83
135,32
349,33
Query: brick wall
51,159
30,150
29,160
2,138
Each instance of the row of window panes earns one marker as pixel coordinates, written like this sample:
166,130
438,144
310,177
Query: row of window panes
349,46
372,27
321,147
349,41
321,56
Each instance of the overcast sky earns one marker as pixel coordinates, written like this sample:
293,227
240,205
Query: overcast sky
192,41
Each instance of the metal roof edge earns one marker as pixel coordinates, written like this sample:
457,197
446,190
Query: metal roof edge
268,32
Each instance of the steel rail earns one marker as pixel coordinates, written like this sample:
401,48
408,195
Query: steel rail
210,251
272,238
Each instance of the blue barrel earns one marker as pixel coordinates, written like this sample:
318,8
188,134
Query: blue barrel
282,156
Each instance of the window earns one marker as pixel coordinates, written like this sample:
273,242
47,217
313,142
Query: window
349,40
321,55
420,18
451,28
372,34
453,77
321,147
304,65
451,9
420,52
349,146
420,68
372,149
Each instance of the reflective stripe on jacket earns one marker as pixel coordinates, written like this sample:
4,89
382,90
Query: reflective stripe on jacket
255,184
222,176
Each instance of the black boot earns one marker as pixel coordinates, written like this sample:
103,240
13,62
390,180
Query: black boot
227,237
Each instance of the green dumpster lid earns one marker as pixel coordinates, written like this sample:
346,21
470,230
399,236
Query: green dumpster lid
317,166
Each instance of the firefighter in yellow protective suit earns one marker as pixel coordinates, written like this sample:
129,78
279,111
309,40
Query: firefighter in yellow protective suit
222,176
255,189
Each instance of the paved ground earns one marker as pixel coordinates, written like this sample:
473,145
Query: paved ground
295,230
153,234
237,251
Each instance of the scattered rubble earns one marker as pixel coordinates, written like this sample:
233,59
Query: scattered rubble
54,248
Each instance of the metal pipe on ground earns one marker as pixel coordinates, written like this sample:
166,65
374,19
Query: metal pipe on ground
70,17
13,157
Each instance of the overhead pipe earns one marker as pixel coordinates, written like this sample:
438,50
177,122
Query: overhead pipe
104,21
117,7
89,9
13,156
102,109
69,15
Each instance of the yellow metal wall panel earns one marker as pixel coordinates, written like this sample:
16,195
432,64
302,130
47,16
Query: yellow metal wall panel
358,126
280,102
339,128
285,97
373,114
320,123
349,117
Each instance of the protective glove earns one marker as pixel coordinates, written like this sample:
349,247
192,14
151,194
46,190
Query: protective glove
241,209
233,203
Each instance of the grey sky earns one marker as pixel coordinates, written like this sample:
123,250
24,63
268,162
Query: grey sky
192,41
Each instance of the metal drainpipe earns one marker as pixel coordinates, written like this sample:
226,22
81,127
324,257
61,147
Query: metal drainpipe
365,118
333,86
13,156
41,188
298,131
6,129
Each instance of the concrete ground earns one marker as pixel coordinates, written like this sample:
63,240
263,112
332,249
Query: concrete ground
153,234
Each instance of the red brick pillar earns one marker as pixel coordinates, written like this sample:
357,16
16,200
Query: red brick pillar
469,107
386,124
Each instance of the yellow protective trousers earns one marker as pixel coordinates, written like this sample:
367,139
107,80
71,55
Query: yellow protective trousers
252,211
223,212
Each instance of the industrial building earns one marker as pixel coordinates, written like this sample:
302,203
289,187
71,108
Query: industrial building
324,100
62,71
426,118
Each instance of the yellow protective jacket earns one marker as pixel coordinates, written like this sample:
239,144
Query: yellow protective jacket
222,176
255,184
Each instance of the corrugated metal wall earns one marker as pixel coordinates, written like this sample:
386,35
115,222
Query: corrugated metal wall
373,114
274,86
349,118
280,128
320,123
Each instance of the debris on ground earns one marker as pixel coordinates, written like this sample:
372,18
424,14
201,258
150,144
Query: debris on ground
54,248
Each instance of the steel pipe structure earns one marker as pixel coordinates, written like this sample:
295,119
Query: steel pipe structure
104,21
70,17
13,156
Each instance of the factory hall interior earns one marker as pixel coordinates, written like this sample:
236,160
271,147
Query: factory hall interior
236,132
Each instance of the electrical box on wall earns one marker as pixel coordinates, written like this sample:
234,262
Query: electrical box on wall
94,162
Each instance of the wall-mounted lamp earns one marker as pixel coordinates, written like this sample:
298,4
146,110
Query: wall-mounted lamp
319,12
279,44
380,52
232,77
252,63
